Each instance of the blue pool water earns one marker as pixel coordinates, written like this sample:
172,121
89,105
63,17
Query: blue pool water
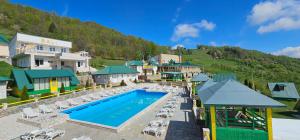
115,110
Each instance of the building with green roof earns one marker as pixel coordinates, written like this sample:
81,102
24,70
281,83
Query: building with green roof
44,81
136,64
283,90
188,69
115,74
3,87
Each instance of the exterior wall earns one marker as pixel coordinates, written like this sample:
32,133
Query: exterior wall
3,93
114,78
44,83
23,62
4,53
165,58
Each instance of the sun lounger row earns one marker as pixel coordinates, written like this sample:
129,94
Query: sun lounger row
42,134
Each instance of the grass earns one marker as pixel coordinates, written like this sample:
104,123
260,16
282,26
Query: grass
99,62
5,69
286,112
9,99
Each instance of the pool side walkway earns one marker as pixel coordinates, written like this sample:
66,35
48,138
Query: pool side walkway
182,127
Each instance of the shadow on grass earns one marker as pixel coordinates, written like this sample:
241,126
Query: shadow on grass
287,114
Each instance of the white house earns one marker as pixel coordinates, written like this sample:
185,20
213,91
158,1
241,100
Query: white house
115,75
34,52
137,65
3,87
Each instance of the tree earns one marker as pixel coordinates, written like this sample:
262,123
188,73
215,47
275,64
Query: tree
52,28
87,84
246,82
123,83
135,81
24,95
62,89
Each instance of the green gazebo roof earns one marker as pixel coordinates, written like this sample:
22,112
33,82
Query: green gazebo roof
283,90
116,70
233,93
200,78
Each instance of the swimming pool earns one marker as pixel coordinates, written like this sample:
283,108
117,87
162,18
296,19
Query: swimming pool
116,110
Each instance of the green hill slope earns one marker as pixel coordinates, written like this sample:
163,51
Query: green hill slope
89,36
247,64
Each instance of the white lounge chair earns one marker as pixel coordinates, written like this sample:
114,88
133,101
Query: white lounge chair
159,123
72,102
61,105
164,114
159,132
94,96
53,134
85,98
35,133
167,110
29,113
149,129
45,109
82,138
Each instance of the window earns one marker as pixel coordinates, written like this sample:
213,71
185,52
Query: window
39,62
63,50
52,49
62,63
39,47
78,64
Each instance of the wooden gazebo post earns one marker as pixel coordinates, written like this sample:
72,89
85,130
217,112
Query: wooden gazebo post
212,111
269,123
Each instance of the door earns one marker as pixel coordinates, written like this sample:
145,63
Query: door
53,85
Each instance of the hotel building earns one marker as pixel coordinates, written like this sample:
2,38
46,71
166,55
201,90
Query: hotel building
34,52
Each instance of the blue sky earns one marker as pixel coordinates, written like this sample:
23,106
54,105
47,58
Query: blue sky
269,26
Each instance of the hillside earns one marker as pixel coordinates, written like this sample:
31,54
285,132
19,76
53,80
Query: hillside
90,36
247,64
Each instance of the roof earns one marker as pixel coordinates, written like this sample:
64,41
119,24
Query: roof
135,63
49,73
24,77
223,77
173,73
233,93
289,90
116,70
21,79
207,84
200,78
4,78
3,40
187,63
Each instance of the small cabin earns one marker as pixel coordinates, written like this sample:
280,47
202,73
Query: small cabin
283,90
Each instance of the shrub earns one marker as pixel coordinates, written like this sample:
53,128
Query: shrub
62,89
24,95
123,83
135,81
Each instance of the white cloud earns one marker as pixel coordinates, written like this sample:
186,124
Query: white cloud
177,46
66,10
276,15
191,30
212,43
289,51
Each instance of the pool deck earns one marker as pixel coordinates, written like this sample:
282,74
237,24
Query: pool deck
181,127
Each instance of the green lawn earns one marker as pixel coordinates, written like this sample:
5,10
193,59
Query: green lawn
286,112
5,69
99,62
9,99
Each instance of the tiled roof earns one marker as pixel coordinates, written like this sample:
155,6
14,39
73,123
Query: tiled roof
3,40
